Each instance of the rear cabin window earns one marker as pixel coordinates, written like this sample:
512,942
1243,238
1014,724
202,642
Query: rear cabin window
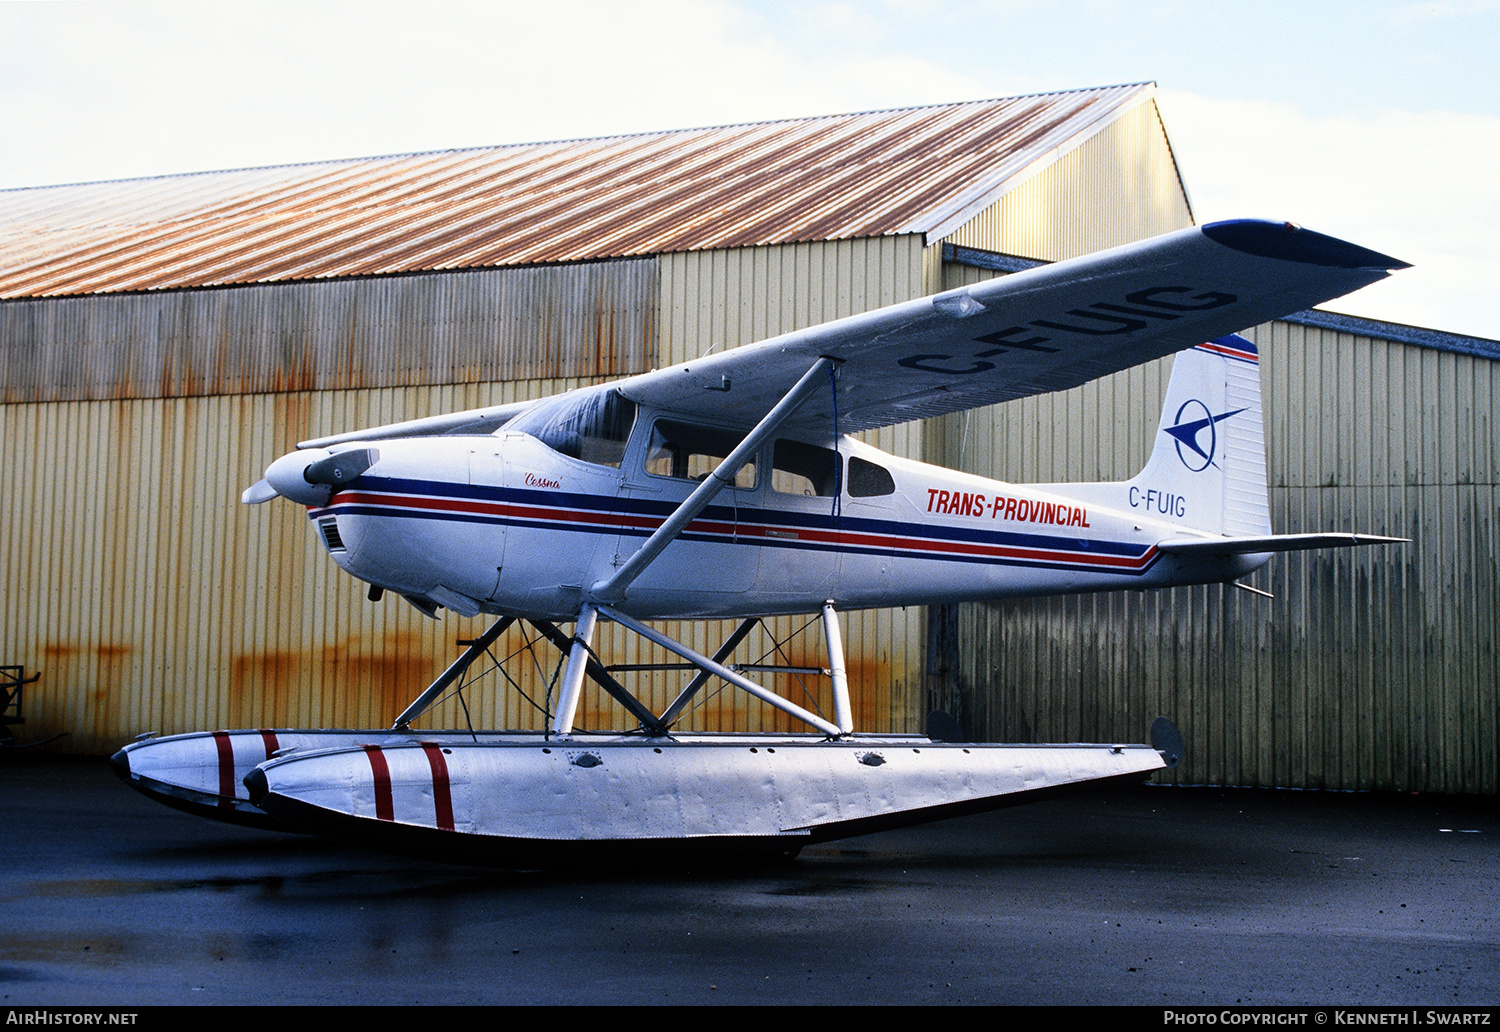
683,451
591,426
804,469
867,480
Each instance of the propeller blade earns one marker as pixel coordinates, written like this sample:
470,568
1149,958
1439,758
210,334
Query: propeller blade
258,492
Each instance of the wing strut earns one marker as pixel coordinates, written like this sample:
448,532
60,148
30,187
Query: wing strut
611,590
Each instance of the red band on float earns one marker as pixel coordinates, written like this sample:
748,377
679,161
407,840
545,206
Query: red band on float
384,810
442,797
226,768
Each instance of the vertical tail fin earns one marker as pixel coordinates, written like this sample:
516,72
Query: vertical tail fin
1207,469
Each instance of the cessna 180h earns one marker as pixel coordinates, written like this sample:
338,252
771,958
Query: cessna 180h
729,486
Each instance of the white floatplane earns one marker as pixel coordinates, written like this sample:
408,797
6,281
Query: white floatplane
729,486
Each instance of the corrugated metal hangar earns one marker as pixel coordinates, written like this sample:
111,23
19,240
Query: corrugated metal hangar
161,340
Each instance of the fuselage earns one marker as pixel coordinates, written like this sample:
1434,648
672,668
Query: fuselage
507,524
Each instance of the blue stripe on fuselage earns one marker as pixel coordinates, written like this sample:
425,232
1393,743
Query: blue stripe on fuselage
734,515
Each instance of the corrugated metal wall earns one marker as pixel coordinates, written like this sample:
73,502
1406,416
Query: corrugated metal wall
151,599
588,319
1372,668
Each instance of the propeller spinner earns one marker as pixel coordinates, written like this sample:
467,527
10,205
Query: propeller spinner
310,477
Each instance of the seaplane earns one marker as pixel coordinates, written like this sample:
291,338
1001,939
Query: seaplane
733,486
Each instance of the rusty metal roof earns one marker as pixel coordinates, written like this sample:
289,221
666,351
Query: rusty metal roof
911,170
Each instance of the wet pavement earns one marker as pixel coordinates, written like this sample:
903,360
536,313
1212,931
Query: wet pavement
1155,896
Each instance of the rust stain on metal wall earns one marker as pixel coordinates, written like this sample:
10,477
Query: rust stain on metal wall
263,682
385,678
591,319
379,676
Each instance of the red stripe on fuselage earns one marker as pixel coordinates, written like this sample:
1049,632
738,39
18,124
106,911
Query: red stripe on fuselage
941,546
770,533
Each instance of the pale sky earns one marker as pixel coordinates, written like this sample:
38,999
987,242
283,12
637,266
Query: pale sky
1377,121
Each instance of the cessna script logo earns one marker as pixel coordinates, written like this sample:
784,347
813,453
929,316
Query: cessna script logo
1145,309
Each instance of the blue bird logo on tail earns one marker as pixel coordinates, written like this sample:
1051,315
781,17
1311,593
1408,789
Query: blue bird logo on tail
1188,428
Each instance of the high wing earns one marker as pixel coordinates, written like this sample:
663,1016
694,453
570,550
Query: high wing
1045,329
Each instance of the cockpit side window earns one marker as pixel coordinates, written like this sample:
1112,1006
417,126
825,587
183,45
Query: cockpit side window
804,469
591,426
867,480
687,452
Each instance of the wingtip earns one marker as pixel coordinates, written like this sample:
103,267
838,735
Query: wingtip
1290,242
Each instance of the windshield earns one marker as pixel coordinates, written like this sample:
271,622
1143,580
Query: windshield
590,425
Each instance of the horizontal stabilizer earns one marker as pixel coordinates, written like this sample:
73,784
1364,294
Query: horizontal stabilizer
1271,543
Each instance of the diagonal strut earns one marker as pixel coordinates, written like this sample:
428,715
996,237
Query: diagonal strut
611,590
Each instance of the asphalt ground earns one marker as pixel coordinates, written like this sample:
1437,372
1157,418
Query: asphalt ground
1150,896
